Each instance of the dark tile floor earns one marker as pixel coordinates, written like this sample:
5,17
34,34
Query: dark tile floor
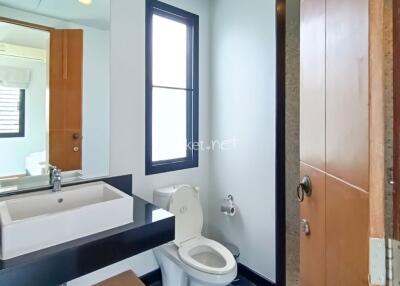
240,281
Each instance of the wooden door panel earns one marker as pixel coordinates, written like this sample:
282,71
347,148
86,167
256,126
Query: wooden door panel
73,55
347,102
312,83
312,247
347,232
65,105
66,69
63,152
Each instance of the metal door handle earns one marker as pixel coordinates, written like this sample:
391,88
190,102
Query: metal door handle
75,136
304,188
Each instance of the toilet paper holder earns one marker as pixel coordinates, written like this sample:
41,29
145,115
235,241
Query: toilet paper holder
228,206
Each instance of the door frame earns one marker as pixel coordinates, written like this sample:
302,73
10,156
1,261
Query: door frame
376,119
26,24
280,156
396,119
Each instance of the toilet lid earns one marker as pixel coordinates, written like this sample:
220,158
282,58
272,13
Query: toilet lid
186,207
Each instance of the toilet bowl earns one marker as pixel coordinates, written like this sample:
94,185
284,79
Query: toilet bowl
191,259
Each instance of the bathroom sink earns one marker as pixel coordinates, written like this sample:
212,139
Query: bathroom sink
44,219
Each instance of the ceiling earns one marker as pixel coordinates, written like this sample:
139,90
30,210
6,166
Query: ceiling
96,15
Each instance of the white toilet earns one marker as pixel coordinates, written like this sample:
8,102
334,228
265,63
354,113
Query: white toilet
191,259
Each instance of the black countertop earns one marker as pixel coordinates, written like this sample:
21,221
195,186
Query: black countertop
61,263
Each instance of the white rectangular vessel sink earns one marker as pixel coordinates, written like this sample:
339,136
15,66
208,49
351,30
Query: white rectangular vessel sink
44,219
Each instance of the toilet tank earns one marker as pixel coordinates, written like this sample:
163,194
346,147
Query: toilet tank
162,196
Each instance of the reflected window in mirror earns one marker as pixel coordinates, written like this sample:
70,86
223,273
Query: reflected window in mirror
12,112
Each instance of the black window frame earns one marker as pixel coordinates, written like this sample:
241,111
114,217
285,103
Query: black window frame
191,160
21,132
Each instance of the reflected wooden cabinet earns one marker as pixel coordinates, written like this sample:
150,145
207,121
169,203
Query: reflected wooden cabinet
66,72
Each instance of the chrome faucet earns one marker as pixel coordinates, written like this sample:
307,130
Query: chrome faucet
51,170
55,178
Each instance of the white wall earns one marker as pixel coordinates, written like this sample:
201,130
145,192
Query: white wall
243,107
13,151
127,153
242,104
128,98
96,89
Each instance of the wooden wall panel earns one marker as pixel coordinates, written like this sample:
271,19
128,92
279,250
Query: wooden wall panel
66,72
62,154
312,83
347,232
347,104
312,247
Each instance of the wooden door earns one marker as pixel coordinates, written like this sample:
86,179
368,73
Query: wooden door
312,139
312,246
347,142
66,60
335,141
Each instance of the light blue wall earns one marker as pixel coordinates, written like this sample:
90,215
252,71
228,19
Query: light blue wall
13,151
243,107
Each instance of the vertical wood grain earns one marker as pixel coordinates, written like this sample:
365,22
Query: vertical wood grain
352,122
66,71
376,120
396,118
312,83
346,234
347,91
313,247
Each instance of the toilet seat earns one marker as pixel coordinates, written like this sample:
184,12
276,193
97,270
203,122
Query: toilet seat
207,255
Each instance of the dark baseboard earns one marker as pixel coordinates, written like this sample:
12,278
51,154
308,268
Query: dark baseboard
151,277
253,276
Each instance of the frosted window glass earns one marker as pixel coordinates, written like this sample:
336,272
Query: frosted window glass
169,52
169,124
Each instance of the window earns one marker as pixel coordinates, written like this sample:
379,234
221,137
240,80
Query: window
12,112
172,89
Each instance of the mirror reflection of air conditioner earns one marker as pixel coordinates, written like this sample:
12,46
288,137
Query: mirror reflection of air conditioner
23,52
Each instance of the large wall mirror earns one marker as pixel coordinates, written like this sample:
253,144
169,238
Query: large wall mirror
54,90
